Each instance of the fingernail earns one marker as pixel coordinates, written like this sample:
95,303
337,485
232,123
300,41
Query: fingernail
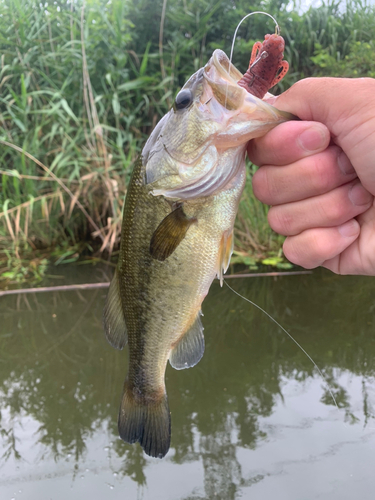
344,164
349,229
359,195
313,138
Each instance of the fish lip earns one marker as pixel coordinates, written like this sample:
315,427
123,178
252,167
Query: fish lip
221,79
220,73
226,69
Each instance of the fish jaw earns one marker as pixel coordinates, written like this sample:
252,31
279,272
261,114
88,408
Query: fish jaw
243,116
185,154
252,119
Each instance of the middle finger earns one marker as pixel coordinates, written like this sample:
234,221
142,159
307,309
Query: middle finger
305,178
327,210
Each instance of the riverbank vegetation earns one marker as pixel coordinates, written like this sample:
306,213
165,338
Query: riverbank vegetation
82,86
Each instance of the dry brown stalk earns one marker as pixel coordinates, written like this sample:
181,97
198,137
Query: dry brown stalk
60,288
26,227
9,225
65,188
91,286
98,145
38,178
28,203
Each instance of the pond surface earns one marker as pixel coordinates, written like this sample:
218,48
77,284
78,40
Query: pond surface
253,420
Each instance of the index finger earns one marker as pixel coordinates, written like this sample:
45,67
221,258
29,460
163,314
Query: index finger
289,142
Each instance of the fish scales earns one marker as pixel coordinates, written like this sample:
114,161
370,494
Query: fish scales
151,289
177,235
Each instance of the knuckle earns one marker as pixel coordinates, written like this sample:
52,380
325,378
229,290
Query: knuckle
322,248
281,221
332,213
301,250
311,248
264,186
259,183
319,178
296,252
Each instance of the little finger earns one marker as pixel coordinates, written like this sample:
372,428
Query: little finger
314,247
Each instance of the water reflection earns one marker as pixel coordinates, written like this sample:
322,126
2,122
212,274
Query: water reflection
60,385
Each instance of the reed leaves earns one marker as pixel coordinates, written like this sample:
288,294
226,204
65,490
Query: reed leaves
82,86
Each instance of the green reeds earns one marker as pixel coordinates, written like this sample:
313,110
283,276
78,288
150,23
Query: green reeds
81,87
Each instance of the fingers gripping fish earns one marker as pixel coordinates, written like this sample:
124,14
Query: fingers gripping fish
177,235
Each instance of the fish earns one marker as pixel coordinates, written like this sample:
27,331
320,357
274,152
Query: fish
177,236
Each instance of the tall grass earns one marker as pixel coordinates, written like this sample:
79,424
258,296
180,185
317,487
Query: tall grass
82,86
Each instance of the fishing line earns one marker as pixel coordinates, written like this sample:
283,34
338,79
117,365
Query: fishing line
294,340
277,31
277,28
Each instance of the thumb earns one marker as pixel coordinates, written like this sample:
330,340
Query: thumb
347,107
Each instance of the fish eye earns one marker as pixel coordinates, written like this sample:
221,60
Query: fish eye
183,99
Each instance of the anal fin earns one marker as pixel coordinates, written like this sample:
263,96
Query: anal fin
113,316
189,351
225,253
169,234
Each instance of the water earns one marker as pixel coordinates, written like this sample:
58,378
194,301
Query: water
252,420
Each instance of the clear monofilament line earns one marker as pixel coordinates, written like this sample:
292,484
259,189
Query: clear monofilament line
239,24
234,39
294,340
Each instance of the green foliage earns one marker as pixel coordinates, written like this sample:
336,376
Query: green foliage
16,270
82,87
357,63
253,235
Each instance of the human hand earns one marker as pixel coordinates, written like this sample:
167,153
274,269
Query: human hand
319,174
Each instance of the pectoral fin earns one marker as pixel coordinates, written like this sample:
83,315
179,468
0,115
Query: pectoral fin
189,351
113,316
225,253
169,234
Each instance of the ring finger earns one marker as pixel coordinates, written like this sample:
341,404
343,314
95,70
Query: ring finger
327,210
305,178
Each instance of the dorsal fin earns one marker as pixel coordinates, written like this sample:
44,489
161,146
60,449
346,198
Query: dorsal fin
169,234
113,316
189,351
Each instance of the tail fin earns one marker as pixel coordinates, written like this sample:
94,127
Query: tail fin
149,424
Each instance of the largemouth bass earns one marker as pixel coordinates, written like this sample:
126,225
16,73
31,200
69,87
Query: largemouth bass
177,235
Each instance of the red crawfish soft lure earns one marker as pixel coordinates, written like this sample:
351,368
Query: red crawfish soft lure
266,67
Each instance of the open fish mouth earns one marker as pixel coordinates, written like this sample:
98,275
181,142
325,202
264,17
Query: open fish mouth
227,71
222,78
